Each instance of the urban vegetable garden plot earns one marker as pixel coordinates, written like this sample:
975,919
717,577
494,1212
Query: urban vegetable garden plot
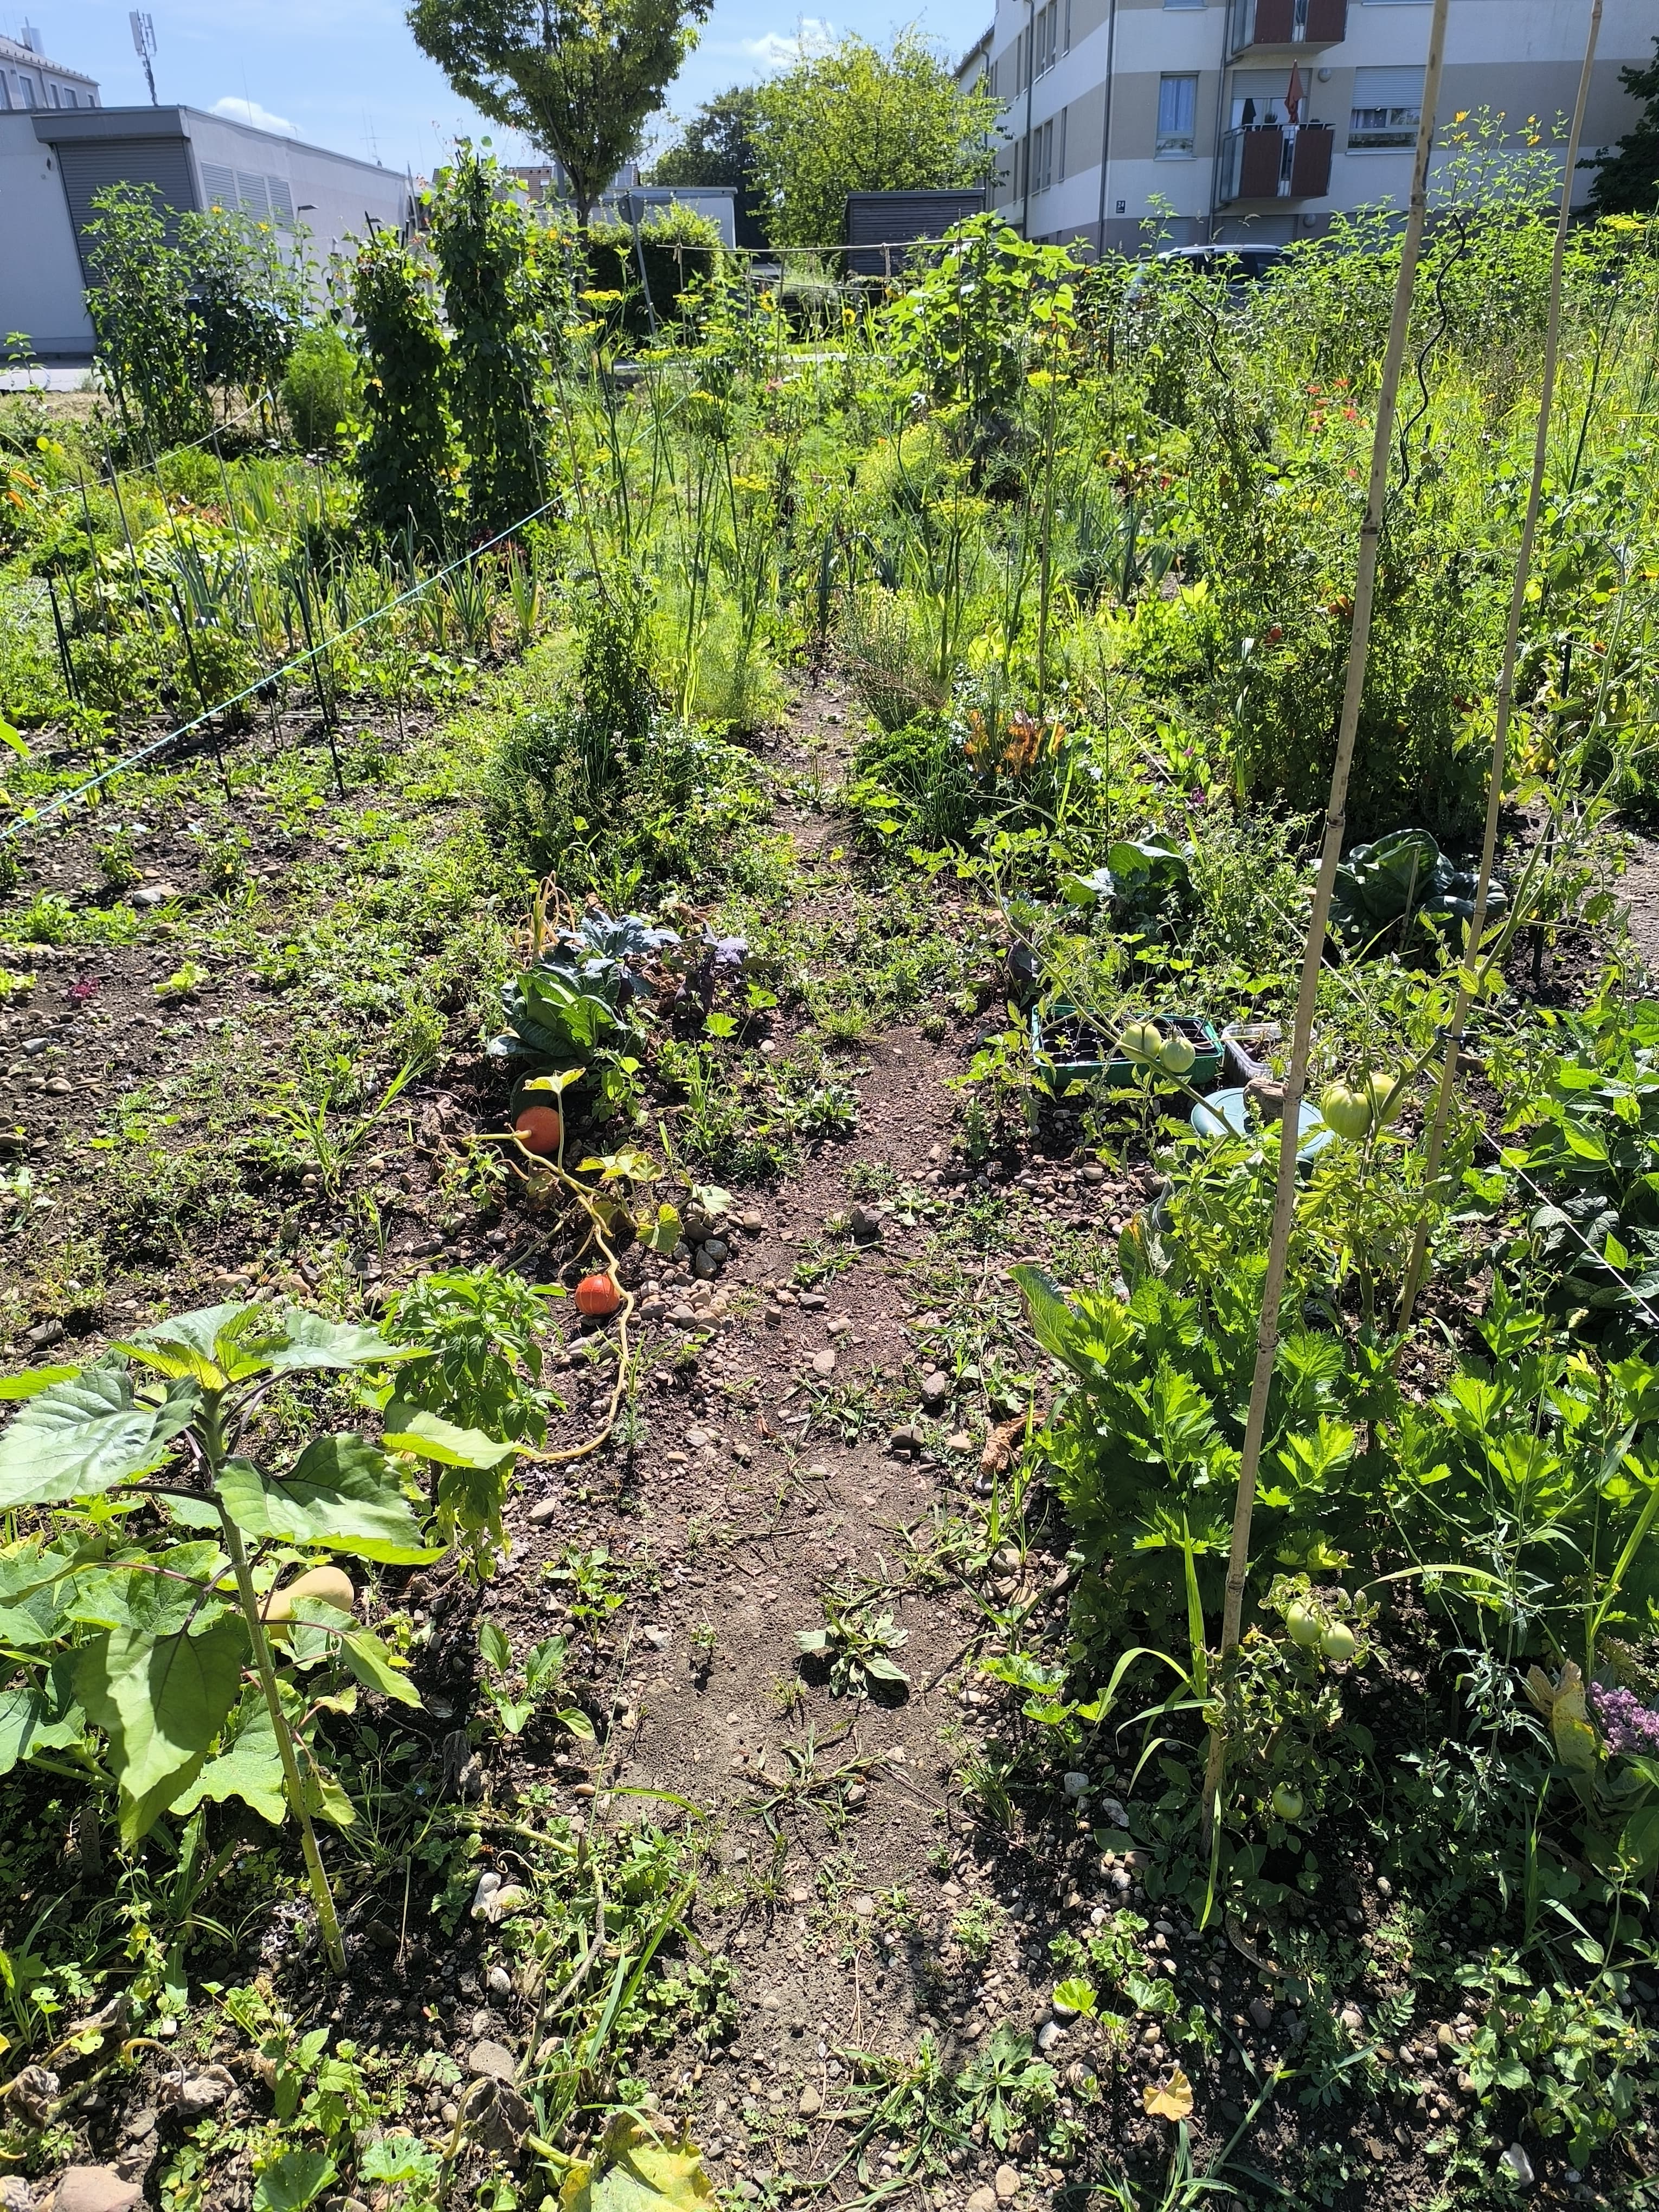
631,1341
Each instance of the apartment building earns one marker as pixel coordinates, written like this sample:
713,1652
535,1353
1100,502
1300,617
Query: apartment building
29,80
1259,120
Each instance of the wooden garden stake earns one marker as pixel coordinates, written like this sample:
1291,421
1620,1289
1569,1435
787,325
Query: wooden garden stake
1468,978
1296,1077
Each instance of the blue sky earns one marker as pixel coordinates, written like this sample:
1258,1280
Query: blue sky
347,74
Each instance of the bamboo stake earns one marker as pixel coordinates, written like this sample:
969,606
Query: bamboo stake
1296,1077
1467,981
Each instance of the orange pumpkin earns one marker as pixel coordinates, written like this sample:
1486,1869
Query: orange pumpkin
539,1130
597,1295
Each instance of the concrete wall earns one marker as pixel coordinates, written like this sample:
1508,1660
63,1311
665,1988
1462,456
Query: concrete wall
39,269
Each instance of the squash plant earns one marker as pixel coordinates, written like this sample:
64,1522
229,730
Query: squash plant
153,1630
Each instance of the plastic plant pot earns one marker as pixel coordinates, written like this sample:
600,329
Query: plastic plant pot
1082,1052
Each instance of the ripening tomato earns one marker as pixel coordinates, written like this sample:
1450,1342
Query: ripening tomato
540,1129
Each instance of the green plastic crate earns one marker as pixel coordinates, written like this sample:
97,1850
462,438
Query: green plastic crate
1068,1033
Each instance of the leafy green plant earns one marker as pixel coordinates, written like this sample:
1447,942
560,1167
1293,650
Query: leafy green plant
1401,880
148,337
162,1677
594,1579
1579,2058
404,462
975,1927
543,1674
499,273
856,1644
322,389
475,1337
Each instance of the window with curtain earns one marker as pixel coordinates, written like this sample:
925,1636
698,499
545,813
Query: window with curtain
1177,116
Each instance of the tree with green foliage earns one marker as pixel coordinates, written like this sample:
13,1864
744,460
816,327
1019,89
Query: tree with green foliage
1627,178
858,119
716,146
578,77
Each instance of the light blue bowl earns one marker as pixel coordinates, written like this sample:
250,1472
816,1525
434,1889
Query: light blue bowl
1223,1113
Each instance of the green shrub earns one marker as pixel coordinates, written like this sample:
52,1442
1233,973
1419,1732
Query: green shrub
605,787
678,246
322,389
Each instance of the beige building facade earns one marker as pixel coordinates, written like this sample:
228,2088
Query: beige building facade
1258,120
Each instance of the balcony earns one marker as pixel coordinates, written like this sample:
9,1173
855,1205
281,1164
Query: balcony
1262,26
1272,163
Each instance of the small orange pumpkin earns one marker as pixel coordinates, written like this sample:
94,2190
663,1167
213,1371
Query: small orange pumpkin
597,1295
539,1130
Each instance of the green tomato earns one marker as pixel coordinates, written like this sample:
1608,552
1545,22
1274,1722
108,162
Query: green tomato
1346,1113
1304,1626
1387,1095
1287,1802
1177,1055
1338,1641
1141,1041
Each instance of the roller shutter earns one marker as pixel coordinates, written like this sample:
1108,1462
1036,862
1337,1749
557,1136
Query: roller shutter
88,166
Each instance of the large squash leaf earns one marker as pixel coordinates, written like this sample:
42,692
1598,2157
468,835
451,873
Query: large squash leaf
342,1493
39,1716
636,2171
311,1341
248,1765
159,1594
215,1346
76,1438
160,1701
428,1436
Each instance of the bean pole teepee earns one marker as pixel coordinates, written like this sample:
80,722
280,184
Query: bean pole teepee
1296,1077
1469,982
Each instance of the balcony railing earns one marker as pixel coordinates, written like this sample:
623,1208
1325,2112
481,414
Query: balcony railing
1260,24
1271,162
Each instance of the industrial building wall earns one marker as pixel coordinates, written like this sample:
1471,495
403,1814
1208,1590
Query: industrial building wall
39,271
52,164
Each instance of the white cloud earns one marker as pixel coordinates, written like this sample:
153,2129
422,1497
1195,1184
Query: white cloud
249,111
814,34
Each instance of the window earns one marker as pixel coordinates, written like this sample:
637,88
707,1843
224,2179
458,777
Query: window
1059,170
5,95
1045,34
1388,104
1067,48
26,85
1177,114
281,200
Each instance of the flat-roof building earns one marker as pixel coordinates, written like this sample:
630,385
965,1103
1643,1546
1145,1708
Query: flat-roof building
53,159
